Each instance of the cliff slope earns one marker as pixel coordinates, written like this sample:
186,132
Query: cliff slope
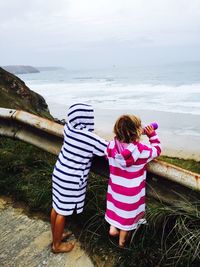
16,95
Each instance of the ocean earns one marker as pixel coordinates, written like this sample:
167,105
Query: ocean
170,89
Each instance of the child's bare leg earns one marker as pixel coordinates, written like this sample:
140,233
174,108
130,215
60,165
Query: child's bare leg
53,220
113,231
122,237
57,236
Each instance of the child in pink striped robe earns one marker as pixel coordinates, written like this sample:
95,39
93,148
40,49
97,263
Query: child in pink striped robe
128,158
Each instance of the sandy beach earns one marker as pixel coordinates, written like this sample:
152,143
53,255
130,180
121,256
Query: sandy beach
174,142
179,133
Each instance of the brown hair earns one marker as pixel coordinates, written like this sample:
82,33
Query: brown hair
128,128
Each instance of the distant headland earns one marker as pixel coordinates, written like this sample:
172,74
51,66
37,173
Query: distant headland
50,68
20,69
24,69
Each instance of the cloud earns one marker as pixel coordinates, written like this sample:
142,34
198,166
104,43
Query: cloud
77,25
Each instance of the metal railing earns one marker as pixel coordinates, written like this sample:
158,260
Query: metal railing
48,135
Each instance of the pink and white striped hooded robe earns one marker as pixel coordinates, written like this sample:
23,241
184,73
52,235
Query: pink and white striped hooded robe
126,188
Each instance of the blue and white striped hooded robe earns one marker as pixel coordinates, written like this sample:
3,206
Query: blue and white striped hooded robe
69,179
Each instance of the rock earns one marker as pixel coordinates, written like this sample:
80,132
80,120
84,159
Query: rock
16,95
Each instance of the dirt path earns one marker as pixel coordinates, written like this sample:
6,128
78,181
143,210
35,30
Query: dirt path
25,242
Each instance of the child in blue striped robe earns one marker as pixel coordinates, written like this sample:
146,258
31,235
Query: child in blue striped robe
69,178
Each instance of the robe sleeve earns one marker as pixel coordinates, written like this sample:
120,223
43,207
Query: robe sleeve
100,146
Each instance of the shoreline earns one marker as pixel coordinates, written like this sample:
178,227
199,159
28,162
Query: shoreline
174,143
171,147
179,133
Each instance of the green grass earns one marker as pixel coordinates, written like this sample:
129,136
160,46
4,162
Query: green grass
189,164
171,237
25,173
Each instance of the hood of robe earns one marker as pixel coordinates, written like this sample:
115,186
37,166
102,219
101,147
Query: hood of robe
81,116
126,154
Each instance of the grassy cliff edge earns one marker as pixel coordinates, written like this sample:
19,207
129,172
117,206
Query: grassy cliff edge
25,174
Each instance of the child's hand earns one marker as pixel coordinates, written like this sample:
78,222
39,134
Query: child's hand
148,130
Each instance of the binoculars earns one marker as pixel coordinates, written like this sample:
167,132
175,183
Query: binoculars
154,125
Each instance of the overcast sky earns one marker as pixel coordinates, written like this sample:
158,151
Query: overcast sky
98,33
